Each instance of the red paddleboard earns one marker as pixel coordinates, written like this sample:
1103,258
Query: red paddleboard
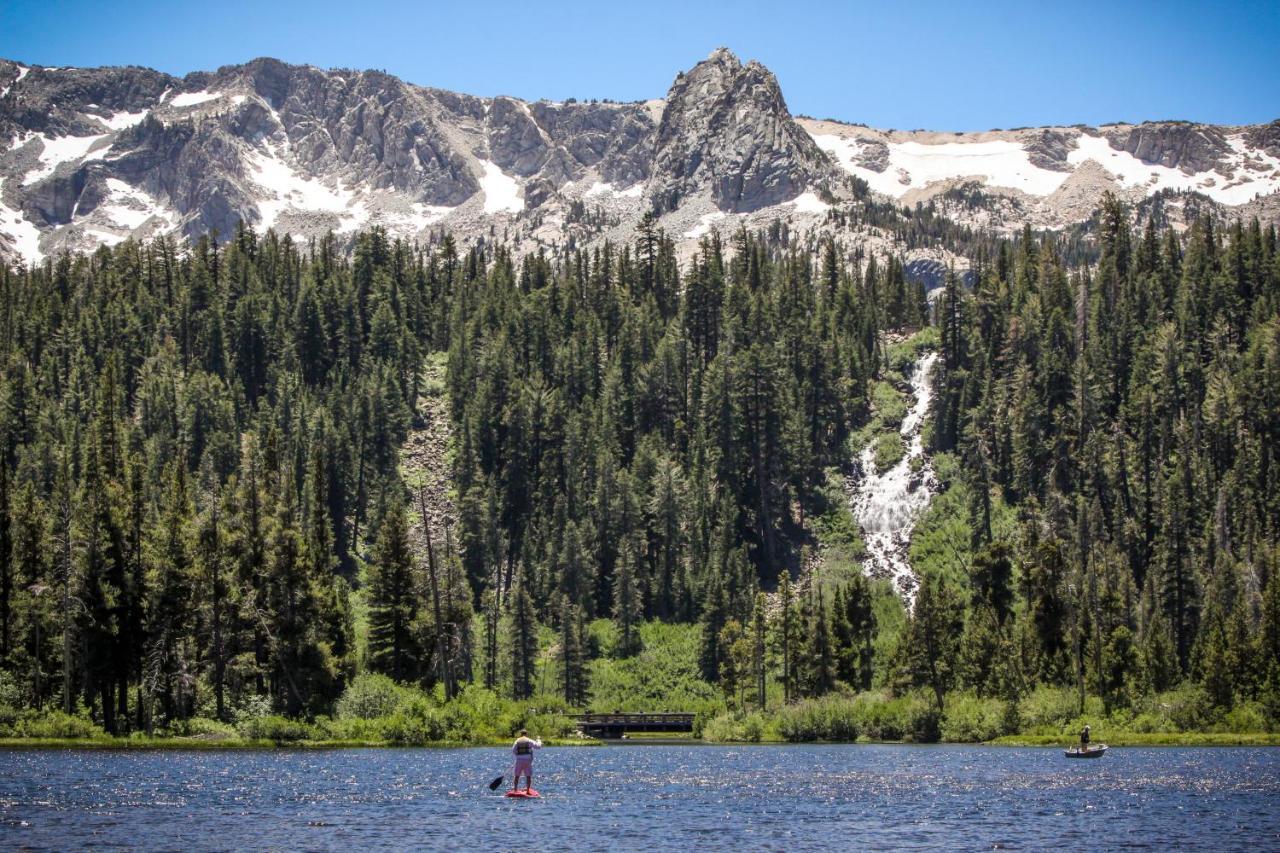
523,795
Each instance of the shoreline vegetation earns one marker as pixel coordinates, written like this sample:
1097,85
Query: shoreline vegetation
376,712
436,494
1116,739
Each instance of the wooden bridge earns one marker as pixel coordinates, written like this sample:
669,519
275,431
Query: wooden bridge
616,725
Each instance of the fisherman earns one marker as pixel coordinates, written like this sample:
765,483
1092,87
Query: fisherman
1084,739
523,749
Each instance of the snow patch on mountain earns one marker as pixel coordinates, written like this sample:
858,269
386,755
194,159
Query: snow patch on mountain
915,165
501,191
1252,172
191,99
599,188
64,149
704,226
22,232
808,202
288,190
121,121
130,208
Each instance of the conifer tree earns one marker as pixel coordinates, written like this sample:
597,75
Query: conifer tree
786,632
524,645
931,642
819,652
573,665
759,625
628,609
715,614
393,645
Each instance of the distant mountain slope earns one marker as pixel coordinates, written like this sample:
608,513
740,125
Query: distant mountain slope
94,156
1058,174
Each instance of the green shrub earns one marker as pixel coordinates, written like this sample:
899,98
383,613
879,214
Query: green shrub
834,523
881,717
603,636
251,706
1188,707
372,695
722,728
873,716
663,677
890,448
923,720
832,718
1048,710
968,719
902,356
415,723
353,729
756,727
888,404
11,702
1148,723
56,724
474,715
547,725
276,728
739,728
203,727
1244,718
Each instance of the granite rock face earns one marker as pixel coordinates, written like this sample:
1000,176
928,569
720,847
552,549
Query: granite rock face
1265,137
257,141
1191,148
1048,149
726,129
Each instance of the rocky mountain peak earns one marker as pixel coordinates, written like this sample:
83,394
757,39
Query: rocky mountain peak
726,130
721,58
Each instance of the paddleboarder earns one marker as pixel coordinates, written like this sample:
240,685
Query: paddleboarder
523,749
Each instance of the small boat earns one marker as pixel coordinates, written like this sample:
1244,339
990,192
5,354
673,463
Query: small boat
1088,752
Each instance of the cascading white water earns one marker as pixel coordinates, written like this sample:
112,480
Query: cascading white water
887,505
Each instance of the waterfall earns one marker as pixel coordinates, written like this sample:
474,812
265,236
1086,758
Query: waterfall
887,505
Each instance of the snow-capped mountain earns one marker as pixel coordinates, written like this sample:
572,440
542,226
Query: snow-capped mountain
1052,176
94,156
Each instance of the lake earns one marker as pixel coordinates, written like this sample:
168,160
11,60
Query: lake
638,797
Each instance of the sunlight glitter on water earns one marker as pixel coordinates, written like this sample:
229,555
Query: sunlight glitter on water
708,798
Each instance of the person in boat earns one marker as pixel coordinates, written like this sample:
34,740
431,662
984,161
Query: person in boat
523,749
1084,739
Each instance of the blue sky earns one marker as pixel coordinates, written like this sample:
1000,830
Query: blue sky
916,64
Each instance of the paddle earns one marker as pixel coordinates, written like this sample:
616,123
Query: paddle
493,786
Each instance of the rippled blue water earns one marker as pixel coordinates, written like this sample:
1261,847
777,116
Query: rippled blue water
638,797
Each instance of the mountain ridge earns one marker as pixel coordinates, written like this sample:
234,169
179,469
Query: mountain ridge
94,156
